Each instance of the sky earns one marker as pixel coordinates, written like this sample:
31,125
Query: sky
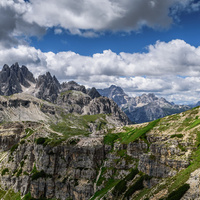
143,46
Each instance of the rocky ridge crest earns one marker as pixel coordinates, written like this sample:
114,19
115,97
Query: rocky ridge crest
144,108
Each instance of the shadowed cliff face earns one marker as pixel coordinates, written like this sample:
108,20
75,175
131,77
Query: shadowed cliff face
157,157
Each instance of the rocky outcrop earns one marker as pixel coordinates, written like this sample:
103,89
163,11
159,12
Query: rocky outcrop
23,107
194,182
103,105
72,85
47,87
49,164
73,101
14,78
93,93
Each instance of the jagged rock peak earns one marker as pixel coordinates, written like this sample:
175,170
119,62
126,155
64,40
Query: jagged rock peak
93,93
116,93
13,78
72,85
48,87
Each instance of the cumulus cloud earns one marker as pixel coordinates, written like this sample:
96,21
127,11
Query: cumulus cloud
167,68
87,18
13,28
105,14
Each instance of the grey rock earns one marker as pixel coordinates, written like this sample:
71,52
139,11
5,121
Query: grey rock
13,78
144,108
116,93
93,93
48,87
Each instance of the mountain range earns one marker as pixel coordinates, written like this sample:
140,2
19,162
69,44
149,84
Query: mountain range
144,108
63,141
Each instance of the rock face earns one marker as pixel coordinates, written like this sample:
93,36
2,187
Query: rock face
14,78
93,93
61,172
144,108
116,93
48,87
72,85
58,161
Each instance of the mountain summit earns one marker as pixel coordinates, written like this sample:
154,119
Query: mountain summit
144,108
13,79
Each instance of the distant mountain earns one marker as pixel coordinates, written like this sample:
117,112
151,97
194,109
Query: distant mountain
144,108
116,93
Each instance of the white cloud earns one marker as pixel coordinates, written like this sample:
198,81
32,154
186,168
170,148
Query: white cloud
87,18
58,31
12,24
99,15
171,69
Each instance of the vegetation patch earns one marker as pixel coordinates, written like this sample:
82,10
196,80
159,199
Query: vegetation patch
4,171
138,185
178,193
119,188
137,133
40,174
132,174
101,193
40,140
22,141
181,147
19,172
13,148
176,135
22,163
68,131
194,124
110,138
101,178
28,132
9,195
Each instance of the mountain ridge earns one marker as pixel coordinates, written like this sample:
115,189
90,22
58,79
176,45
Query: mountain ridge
144,108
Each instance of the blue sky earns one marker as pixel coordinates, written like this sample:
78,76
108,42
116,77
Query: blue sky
141,45
186,28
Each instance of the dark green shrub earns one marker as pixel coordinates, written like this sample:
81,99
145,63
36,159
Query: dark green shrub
19,172
4,171
152,157
138,185
13,148
26,173
22,163
181,147
119,188
37,175
28,197
40,174
132,174
22,141
178,194
34,170
40,140
177,135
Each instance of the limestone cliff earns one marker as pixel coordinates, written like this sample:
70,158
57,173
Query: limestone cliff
75,156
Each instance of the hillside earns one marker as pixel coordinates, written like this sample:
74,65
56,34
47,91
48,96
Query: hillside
63,160
61,141
144,108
